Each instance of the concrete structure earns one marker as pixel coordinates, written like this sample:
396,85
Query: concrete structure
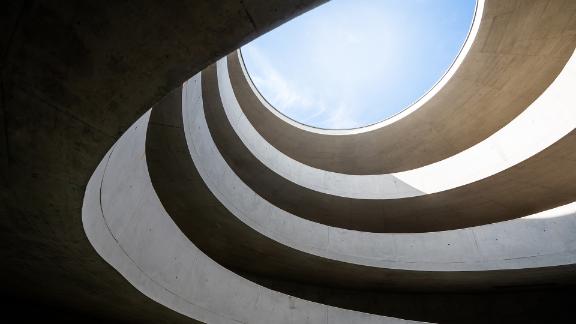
213,207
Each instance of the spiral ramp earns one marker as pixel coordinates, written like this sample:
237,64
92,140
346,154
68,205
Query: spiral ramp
461,209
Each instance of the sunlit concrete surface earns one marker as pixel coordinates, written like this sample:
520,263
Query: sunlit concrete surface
548,119
517,148
511,60
75,75
459,225
429,261
528,243
143,182
138,238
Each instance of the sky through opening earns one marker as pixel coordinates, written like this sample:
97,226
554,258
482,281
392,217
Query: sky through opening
350,64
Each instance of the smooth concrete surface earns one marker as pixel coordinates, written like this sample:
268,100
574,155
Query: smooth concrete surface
521,306
471,249
74,76
232,243
544,122
139,239
520,48
495,198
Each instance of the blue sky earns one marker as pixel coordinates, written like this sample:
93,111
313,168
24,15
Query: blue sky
351,63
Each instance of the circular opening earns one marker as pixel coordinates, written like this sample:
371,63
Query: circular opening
349,64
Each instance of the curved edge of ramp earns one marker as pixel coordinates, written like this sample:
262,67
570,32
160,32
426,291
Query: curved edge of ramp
137,237
471,249
512,60
497,197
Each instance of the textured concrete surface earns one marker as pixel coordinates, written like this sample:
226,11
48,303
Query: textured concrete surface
548,119
498,196
470,249
180,246
74,76
519,49
216,232
139,239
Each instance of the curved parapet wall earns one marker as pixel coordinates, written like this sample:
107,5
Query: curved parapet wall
512,59
136,236
484,182
549,118
131,228
201,210
468,250
75,76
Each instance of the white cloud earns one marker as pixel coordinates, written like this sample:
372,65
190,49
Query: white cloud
286,96
342,117
327,111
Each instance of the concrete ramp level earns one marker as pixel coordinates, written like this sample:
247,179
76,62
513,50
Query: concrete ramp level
462,209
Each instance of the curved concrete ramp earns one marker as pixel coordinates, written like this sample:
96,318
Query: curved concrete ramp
405,208
138,238
74,76
511,60
219,208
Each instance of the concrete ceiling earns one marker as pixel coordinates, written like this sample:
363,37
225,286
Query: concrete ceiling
74,76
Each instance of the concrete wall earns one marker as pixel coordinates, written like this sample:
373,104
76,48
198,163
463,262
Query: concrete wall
144,242
503,161
528,242
74,75
510,61
140,240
